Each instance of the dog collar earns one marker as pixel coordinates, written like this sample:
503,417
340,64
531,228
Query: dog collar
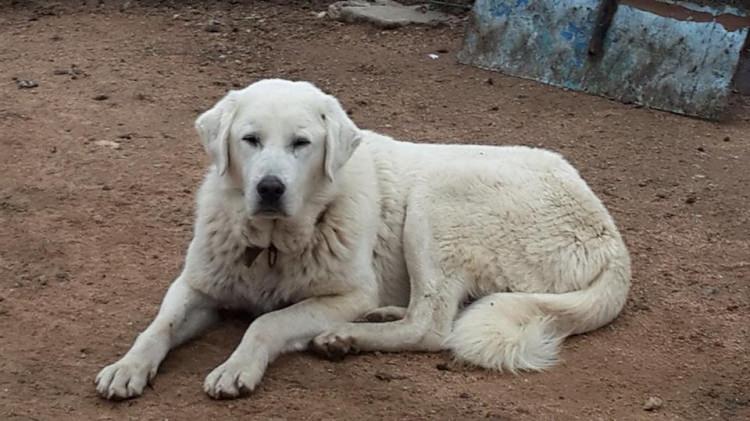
252,253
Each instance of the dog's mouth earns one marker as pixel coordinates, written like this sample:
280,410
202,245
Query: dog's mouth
270,213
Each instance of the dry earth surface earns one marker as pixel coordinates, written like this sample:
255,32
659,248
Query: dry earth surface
99,165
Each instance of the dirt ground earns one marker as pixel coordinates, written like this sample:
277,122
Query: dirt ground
92,232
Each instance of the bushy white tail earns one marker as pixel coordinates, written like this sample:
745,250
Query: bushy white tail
523,331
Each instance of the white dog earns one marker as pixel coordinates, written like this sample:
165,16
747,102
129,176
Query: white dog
346,240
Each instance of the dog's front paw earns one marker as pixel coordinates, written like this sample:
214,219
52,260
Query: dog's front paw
233,379
124,379
334,346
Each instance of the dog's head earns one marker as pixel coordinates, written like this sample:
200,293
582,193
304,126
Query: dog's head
281,142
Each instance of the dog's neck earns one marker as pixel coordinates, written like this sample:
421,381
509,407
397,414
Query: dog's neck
286,235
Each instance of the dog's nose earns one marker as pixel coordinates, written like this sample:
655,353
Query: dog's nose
270,188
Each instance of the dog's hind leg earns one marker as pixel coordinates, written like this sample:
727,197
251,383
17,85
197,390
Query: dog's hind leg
184,313
433,304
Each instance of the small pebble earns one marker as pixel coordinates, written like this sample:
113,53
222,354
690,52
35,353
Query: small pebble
109,143
653,403
213,26
26,84
710,290
386,377
101,97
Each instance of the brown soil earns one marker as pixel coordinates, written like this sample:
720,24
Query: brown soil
93,233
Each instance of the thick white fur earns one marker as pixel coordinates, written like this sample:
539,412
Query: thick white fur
393,233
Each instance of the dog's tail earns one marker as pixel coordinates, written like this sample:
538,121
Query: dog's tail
523,331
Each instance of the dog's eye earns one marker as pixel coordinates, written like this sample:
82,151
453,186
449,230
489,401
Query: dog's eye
300,142
252,139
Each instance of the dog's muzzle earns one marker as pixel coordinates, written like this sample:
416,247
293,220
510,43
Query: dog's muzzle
270,191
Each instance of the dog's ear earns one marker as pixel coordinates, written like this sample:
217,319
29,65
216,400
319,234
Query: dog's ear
213,129
342,136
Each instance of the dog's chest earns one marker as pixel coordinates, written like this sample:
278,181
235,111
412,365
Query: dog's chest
256,280
261,280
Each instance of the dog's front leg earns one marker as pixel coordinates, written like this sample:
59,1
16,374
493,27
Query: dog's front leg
288,329
433,303
184,312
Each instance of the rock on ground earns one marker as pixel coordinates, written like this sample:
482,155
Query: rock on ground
385,14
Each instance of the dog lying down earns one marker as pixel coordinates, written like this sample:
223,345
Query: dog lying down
343,240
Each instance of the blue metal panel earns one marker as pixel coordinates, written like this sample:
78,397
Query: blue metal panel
661,62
